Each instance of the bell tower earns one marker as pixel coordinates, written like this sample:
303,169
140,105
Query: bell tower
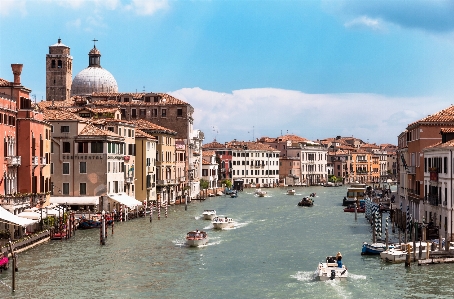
58,72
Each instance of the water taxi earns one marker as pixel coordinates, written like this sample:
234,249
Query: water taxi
196,238
221,222
209,214
306,202
291,192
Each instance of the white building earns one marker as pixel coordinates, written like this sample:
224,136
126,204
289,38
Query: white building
210,169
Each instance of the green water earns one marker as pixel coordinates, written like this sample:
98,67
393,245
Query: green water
271,253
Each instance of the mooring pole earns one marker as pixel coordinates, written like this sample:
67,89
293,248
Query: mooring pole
356,212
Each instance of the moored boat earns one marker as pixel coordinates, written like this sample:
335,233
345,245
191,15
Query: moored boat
221,222
196,238
351,208
399,254
261,193
374,248
354,193
331,269
306,202
234,194
209,214
291,192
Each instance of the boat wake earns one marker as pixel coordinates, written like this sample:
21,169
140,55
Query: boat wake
356,277
198,217
304,276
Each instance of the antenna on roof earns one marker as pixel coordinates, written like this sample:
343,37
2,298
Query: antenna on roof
144,89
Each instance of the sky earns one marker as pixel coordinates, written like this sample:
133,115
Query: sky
250,69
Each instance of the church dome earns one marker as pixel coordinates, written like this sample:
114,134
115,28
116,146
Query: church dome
93,78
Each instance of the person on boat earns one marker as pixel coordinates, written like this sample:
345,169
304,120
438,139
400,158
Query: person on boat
339,259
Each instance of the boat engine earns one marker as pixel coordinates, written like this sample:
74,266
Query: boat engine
333,274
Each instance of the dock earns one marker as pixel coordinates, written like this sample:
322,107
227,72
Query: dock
438,257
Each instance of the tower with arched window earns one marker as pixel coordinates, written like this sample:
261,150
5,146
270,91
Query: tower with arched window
58,72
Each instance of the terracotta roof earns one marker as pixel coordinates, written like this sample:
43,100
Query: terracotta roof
56,114
208,153
205,162
166,99
213,144
91,130
147,125
3,82
239,145
445,115
447,130
291,138
142,134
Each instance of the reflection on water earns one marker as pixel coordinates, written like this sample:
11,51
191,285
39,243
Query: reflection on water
272,252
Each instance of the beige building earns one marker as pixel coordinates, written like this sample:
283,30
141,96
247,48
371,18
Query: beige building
145,168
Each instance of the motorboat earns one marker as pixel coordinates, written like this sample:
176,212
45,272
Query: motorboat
354,193
209,214
291,192
374,248
306,202
222,222
234,194
196,238
399,254
351,208
260,192
331,270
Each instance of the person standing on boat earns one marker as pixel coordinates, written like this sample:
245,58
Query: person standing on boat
339,259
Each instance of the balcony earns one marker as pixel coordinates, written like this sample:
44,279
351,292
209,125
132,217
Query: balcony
171,181
43,160
411,169
149,168
35,160
13,160
433,199
161,182
129,180
182,179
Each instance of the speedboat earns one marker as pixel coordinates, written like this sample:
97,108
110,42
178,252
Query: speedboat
209,214
234,194
374,248
196,238
330,270
306,202
399,254
221,222
260,192
351,208
291,192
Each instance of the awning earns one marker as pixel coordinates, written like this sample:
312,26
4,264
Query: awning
7,216
125,199
75,200
31,215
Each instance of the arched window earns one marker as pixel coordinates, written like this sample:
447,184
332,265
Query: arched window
60,64
53,64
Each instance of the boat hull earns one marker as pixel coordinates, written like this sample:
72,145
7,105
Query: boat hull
197,242
373,249
331,271
209,216
222,225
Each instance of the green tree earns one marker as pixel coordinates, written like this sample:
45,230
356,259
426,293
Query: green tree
227,183
204,184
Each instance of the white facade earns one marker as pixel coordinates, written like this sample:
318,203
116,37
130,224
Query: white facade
256,166
210,170
195,161
314,161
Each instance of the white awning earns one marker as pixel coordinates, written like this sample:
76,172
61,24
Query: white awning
31,215
125,199
75,200
7,216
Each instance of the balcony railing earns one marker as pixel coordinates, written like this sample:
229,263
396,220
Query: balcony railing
149,168
35,160
129,180
43,160
433,199
182,179
411,169
13,160
161,182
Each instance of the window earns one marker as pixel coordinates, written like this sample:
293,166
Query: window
96,147
51,168
66,147
179,112
133,113
155,112
126,100
65,167
83,167
123,113
51,147
53,64
142,112
66,188
147,99
164,112
64,129
82,147
83,189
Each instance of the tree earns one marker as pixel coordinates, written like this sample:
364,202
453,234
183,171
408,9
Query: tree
204,184
227,183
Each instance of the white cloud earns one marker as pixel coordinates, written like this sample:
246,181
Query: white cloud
7,7
364,21
147,7
252,113
109,4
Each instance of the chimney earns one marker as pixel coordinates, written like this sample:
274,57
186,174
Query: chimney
17,70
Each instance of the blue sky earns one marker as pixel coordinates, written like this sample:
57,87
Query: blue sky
255,68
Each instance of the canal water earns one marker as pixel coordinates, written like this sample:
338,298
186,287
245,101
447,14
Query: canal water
272,252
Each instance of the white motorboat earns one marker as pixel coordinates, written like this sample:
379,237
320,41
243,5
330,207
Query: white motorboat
196,238
209,214
399,254
330,270
260,192
291,192
222,222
